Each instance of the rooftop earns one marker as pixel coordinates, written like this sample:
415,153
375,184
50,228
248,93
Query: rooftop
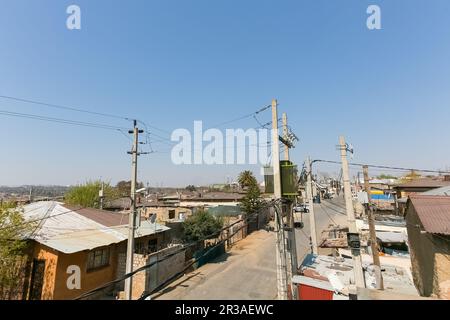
433,212
431,182
338,272
70,229
443,191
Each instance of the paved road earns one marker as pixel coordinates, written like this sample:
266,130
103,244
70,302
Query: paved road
328,212
248,271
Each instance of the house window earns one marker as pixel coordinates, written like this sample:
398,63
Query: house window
181,216
98,259
171,214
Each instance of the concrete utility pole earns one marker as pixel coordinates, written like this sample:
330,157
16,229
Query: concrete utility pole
102,195
285,136
30,196
312,217
356,254
132,216
281,247
291,219
373,234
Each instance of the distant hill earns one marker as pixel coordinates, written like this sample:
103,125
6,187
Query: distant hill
37,191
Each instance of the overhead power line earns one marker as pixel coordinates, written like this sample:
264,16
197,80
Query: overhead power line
384,167
77,109
184,247
58,106
241,118
60,120
27,222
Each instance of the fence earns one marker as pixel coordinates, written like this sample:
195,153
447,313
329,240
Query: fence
151,278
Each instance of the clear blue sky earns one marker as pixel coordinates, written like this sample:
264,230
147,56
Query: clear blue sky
172,62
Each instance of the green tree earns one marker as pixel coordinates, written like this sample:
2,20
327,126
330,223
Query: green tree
201,225
413,175
124,187
252,202
386,176
13,231
191,188
87,195
246,179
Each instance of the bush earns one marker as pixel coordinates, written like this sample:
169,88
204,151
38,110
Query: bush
13,228
87,195
201,225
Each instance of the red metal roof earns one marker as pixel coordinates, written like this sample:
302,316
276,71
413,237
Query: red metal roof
106,218
424,183
433,212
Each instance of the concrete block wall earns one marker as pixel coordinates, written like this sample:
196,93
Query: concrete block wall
159,273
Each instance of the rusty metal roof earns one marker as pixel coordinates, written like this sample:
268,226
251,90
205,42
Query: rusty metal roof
106,218
433,212
71,229
435,182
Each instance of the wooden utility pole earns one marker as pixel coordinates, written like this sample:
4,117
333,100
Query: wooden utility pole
312,217
373,234
132,215
279,225
356,254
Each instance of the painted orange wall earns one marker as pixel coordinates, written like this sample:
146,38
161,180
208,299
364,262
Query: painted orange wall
50,256
56,276
89,280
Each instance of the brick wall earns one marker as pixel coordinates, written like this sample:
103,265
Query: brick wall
154,276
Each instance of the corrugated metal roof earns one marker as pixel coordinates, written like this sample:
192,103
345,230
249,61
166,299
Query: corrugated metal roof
424,183
444,191
103,217
70,229
392,237
433,212
339,273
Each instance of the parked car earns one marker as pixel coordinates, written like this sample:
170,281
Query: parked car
302,208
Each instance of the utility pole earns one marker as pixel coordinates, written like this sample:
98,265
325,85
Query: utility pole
285,136
102,195
132,216
30,196
373,234
290,216
356,254
279,225
312,217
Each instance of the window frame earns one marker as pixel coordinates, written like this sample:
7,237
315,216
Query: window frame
98,258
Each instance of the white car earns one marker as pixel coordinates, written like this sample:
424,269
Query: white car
302,208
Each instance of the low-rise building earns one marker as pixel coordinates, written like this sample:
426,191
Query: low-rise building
329,278
166,213
212,199
421,185
69,240
428,224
